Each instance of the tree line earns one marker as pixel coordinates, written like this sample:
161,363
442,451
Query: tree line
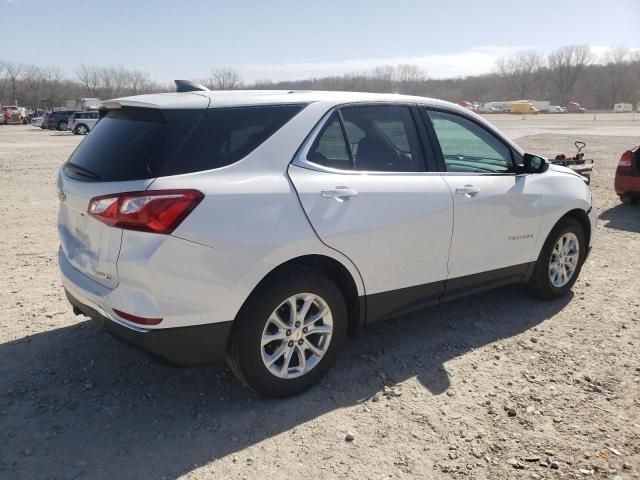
570,73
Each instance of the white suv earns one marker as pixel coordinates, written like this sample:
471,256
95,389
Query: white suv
268,225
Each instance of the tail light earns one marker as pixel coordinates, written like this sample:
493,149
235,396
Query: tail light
157,211
136,319
625,165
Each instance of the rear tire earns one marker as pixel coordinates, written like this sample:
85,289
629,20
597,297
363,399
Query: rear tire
267,314
548,280
81,129
629,199
62,126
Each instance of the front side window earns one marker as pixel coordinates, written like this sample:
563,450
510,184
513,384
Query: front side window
467,147
379,138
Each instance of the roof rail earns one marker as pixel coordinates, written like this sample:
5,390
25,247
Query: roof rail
189,86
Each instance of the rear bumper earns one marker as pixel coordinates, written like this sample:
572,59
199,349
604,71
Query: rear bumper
179,343
627,184
194,345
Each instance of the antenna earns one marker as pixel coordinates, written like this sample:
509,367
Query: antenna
189,86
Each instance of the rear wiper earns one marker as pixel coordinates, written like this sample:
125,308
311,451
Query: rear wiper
83,172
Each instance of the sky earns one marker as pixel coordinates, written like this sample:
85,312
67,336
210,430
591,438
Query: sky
284,39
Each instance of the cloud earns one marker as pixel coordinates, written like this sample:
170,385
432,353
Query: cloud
476,61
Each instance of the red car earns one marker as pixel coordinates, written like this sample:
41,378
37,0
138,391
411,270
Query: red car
627,181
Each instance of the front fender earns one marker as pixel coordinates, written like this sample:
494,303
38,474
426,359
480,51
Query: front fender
561,194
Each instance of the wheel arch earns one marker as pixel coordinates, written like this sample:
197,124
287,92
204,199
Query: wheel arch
333,269
578,213
583,219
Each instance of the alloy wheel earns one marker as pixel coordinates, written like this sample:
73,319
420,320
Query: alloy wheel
296,335
564,260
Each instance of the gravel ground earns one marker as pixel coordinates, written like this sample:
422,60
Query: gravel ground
495,386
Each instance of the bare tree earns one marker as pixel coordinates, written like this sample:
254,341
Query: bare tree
566,64
225,79
384,77
410,78
3,79
53,81
33,79
406,72
105,82
137,81
618,65
521,71
89,77
14,71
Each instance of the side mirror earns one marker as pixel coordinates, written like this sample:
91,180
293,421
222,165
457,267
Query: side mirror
534,164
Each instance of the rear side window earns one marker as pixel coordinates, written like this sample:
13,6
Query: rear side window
330,148
374,138
143,143
225,135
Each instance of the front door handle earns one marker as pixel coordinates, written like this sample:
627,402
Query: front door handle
339,193
468,191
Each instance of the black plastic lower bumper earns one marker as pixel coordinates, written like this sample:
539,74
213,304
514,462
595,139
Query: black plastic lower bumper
195,345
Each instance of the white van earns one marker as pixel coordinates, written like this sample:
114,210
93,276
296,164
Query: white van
622,107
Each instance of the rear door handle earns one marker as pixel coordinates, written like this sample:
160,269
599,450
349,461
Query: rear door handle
468,191
341,194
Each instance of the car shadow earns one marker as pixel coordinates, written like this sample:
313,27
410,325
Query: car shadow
75,401
622,217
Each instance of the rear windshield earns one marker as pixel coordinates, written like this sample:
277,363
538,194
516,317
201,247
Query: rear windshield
143,143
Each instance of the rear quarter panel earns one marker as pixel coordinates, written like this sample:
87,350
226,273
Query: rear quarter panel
251,209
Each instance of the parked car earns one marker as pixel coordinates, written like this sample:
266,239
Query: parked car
82,123
38,121
627,179
557,109
487,109
473,106
266,226
573,107
58,119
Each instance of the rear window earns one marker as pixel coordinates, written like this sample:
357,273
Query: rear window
142,143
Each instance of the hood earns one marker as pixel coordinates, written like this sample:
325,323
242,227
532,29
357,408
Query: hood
567,170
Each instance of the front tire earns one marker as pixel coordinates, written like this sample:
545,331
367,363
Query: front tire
81,129
560,260
62,126
289,333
